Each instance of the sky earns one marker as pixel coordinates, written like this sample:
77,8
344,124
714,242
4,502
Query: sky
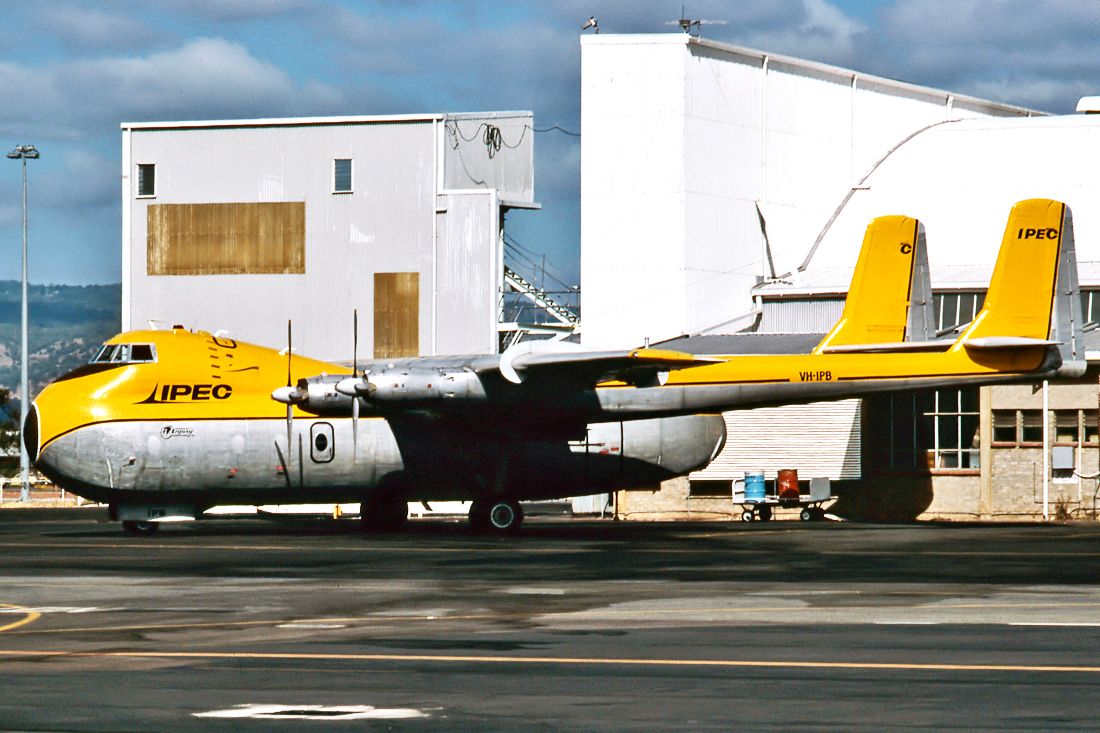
72,71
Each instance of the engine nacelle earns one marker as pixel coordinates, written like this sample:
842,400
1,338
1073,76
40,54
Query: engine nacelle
408,385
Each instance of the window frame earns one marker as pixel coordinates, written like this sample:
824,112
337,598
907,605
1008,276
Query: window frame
350,173
140,175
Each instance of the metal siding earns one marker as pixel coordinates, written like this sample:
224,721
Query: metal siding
980,169
468,273
632,215
471,162
385,225
800,316
820,439
678,138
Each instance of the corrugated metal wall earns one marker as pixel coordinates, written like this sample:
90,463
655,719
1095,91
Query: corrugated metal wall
491,150
468,272
384,225
821,439
800,316
387,223
684,138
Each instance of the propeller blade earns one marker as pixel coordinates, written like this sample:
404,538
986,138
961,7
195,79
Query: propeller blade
355,375
289,404
354,429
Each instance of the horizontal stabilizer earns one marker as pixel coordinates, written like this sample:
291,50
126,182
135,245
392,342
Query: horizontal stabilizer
892,347
1007,342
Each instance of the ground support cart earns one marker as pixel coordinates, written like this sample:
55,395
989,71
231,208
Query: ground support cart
753,509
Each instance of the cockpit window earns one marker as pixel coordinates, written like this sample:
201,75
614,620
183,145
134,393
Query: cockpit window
125,354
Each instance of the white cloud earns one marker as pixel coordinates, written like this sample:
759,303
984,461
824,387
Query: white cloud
83,28
203,78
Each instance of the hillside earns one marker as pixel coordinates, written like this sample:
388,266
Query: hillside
66,325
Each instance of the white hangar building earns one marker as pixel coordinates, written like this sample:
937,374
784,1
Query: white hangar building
725,192
242,225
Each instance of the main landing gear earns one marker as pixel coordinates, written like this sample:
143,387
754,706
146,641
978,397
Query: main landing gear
497,516
384,514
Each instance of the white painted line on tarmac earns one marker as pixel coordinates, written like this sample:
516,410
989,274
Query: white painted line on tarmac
1067,624
315,712
311,626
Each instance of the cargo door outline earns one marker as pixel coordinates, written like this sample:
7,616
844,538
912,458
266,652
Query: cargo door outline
322,442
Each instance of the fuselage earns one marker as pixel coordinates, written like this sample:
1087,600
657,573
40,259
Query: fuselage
185,420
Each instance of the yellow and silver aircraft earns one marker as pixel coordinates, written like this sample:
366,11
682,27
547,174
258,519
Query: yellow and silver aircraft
165,424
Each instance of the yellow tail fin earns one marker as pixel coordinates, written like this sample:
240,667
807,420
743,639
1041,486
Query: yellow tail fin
890,297
1024,283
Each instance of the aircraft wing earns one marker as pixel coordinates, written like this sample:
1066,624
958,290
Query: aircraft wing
555,361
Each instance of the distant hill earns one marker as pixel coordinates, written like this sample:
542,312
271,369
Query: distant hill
67,323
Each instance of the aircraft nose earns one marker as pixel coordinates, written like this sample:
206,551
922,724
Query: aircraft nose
30,432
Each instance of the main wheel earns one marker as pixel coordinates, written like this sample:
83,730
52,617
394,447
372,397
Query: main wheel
130,526
498,516
386,514
806,515
505,516
765,513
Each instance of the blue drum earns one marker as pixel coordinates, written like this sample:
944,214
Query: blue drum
754,486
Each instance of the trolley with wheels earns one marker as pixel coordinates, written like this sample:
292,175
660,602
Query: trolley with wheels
757,505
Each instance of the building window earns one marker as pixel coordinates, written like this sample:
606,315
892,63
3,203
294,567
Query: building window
954,310
937,430
1031,426
147,179
1090,426
1066,427
1004,426
955,429
341,175
710,489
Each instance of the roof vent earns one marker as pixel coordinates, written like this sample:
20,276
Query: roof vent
1089,105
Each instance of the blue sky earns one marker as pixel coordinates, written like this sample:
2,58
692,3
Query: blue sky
71,71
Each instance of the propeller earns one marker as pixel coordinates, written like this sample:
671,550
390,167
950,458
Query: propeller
289,395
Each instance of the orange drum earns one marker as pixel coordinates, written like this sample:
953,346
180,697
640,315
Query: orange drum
786,483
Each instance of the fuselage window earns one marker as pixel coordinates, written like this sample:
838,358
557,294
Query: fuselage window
104,355
125,354
141,352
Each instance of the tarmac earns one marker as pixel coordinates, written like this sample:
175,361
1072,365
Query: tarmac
570,625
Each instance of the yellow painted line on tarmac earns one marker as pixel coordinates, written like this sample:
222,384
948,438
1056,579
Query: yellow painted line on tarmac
566,661
29,616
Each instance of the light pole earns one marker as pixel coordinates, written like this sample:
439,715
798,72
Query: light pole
24,153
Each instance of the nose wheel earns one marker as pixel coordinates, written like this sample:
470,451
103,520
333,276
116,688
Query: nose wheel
498,517
139,529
